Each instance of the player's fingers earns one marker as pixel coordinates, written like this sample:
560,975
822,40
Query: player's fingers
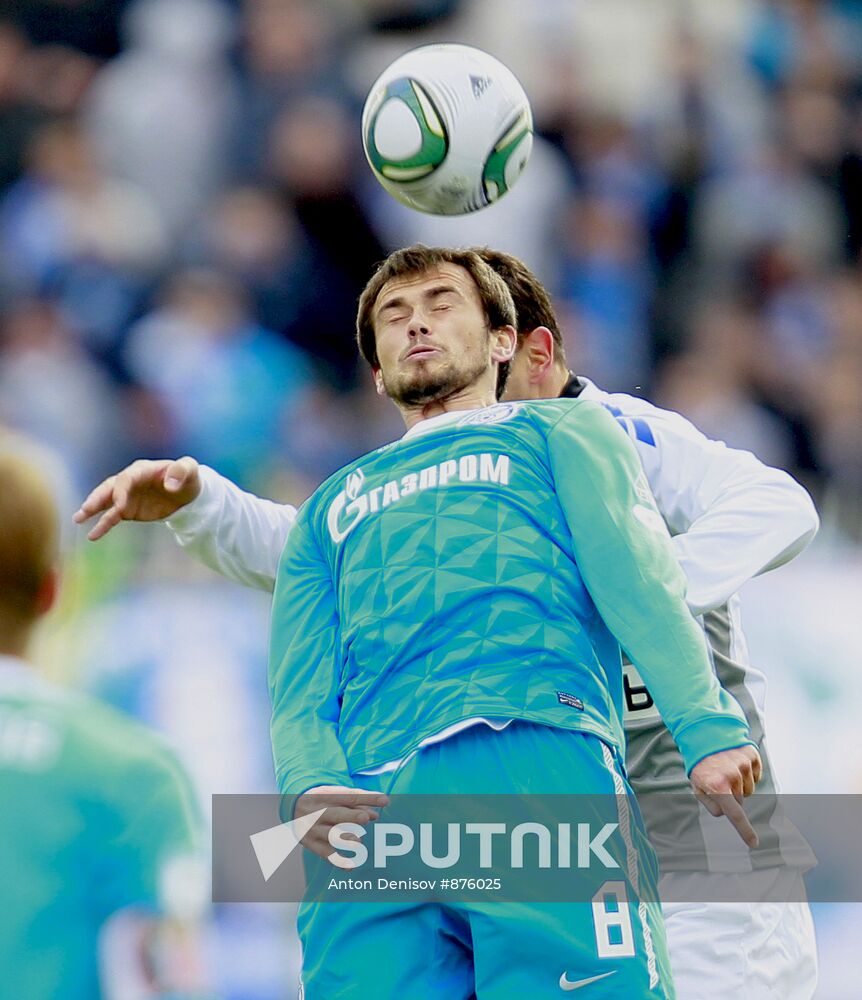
728,784
336,814
97,500
121,494
110,519
365,816
361,797
748,780
757,768
711,806
736,814
142,473
178,473
317,840
318,844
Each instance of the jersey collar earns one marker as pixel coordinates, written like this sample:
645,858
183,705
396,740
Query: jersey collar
16,675
441,420
577,387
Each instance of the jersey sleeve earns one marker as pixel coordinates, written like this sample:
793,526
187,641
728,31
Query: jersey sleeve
628,564
237,534
733,517
148,829
305,669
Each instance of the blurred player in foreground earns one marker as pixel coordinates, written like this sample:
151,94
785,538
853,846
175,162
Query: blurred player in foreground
732,518
100,871
509,628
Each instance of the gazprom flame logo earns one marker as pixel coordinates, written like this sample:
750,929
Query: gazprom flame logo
355,482
355,502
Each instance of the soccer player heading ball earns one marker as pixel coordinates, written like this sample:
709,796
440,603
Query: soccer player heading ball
524,545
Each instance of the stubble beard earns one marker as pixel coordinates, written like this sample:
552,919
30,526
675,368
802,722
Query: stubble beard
421,387
427,383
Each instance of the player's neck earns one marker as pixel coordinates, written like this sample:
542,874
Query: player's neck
16,632
553,383
472,398
14,642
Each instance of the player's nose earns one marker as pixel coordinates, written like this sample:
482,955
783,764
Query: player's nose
418,328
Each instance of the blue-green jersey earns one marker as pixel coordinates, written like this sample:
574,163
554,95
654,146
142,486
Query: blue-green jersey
96,812
488,564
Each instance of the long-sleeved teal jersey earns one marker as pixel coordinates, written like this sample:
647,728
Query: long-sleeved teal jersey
488,564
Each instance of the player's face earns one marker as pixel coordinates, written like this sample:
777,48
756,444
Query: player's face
432,336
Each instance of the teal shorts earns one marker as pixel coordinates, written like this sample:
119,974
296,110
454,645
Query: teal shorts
612,946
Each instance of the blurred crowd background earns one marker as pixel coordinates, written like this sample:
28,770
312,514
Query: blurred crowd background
187,219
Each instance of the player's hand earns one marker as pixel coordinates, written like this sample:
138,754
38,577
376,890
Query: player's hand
146,490
722,780
343,805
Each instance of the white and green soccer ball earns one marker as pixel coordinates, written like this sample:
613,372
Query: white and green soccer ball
447,129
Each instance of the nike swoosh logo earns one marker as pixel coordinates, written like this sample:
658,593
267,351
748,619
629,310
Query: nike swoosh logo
566,985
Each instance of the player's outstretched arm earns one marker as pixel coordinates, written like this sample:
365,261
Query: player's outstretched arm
628,564
235,533
146,490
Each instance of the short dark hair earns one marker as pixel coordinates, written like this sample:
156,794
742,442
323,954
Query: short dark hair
494,294
532,300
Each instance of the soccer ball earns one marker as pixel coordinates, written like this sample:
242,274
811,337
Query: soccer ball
447,129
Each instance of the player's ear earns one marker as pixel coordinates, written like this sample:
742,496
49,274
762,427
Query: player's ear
48,591
538,347
504,342
377,375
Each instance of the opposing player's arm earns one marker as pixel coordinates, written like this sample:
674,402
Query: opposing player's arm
733,517
146,490
235,533
628,564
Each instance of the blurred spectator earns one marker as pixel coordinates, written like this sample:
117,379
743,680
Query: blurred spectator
769,199
711,383
254,235
160,114
225,383
289,51
335,425
606,282
851,178
88,238
90,26
837,402
408,15
18,117
56,79
313,159
50,389
805,37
